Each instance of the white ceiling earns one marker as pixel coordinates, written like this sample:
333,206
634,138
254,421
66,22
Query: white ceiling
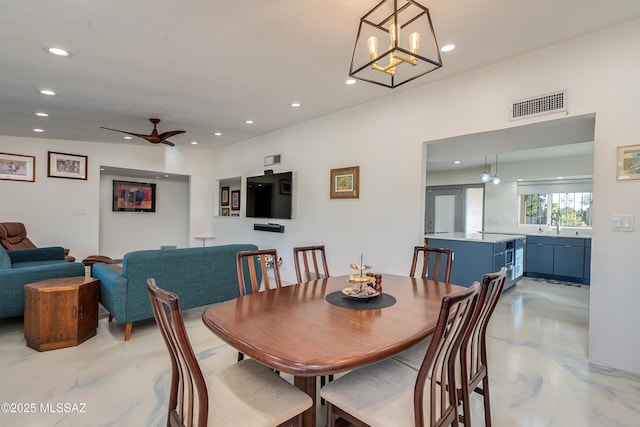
208,65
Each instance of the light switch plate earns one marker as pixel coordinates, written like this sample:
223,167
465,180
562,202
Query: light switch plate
622,223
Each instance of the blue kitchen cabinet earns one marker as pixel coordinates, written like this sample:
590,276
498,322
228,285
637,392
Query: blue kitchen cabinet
558,258
587,262
539,257
475,256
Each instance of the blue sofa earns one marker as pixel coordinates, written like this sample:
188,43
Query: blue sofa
23,266
199,276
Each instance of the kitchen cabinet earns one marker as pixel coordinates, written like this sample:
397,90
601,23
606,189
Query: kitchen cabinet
557,258
475,255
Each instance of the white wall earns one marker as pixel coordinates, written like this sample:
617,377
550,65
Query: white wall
67,212
122,232
501,212
386,138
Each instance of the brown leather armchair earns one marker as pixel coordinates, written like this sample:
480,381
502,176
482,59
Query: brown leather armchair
13,235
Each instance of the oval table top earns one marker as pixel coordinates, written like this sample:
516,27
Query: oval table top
294,329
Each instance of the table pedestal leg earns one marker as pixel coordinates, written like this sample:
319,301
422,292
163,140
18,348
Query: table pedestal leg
308,385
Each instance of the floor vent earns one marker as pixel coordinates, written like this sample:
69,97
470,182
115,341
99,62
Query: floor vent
544,104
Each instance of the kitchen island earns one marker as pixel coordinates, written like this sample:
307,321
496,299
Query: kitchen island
476,254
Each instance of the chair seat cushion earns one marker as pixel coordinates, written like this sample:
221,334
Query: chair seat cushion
250,394
380,394
414,356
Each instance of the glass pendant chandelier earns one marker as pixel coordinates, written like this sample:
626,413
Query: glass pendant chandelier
496,178
485,176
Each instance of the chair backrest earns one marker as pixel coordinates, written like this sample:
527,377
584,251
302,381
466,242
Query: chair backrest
438,368
252,261
13,235
305,254
474,348
432,259
186,408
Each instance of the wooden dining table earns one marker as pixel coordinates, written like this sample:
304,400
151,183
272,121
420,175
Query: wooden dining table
295,329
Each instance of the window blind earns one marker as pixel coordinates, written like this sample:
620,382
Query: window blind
583,185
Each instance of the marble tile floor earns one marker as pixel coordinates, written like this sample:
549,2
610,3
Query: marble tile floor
538,369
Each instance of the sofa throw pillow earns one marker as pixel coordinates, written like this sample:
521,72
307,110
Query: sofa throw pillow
5,261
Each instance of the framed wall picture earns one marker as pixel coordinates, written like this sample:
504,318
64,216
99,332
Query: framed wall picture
628,162
235,200
17,167
71,166
225,212
134,196
224,196
345,183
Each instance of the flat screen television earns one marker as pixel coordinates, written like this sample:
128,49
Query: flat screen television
269,196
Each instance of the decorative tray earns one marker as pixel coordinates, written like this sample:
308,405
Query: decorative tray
362,292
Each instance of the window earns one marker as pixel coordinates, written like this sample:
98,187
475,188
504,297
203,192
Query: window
565,203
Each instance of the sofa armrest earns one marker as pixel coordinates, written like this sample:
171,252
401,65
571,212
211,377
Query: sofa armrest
113,289
52,253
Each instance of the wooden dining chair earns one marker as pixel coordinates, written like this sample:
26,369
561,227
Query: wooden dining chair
474,348
390,393
246,393
251,267
310,261
254,265
432,259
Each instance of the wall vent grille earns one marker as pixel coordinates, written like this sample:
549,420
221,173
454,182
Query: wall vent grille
544,104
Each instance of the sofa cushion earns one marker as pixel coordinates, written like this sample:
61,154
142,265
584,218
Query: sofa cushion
5,261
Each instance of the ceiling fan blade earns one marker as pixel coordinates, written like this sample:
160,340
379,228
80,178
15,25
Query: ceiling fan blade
168,143
124,131
169,134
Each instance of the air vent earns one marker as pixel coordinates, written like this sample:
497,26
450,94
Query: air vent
544,104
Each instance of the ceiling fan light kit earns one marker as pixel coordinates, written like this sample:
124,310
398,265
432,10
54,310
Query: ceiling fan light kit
154,137
395,44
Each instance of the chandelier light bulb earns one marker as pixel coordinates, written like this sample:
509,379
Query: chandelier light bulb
496,180
394,32
414,42
372,43
486,176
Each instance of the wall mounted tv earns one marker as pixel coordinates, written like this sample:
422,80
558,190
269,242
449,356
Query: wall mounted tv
269,196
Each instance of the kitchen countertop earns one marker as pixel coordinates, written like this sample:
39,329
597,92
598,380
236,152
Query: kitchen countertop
476,237
490,237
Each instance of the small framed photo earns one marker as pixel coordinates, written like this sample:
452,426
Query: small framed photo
71,166
235,200
345,183
225,211
628,162
16,167
224,196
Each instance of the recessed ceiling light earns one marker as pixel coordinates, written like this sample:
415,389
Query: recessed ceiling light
38,130
42,115
58,51
217,133
447,47
560,177
249,122
350,81
456,162
166,176
295,104
128,137
47,92
194,142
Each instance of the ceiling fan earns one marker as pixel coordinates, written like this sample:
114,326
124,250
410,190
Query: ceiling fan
154,137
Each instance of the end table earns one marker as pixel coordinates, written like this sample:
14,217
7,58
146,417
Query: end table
60,312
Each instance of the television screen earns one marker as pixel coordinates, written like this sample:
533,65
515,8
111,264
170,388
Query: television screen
269,196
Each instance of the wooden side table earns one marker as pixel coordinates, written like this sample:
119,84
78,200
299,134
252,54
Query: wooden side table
60,312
